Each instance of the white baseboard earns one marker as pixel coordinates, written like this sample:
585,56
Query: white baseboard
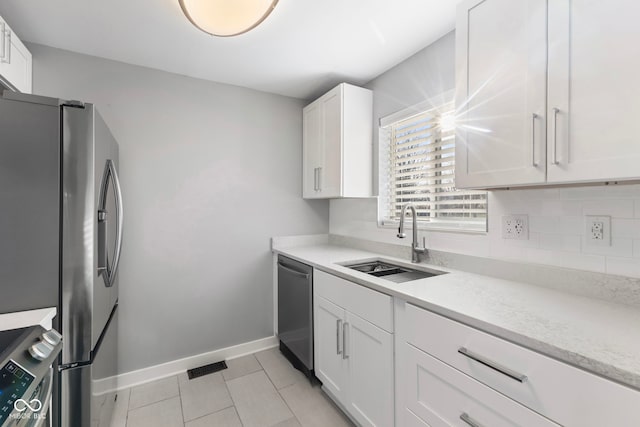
152,373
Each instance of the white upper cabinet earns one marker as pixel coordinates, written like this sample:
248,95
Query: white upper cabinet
501,62
15,60
546,92
594,91
337,144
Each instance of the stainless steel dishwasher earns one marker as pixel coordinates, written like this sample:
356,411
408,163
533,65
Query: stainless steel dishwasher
295,313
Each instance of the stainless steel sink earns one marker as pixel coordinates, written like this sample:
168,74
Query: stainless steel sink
392,272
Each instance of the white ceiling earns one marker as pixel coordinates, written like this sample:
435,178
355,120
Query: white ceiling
302,49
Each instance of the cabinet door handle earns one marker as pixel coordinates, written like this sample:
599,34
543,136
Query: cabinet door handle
493,365
469,421
315,179
338,327
3,50
554,148
534,116
7,48
320,178
344,340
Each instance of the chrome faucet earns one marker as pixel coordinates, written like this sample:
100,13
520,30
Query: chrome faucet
415,249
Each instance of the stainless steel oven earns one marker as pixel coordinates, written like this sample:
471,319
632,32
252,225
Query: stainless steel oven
26,376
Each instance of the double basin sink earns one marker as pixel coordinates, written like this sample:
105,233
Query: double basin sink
392,272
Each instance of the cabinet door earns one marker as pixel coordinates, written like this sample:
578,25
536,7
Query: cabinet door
369,352
501,93
330,366
15,60
594,64
311,149
331,168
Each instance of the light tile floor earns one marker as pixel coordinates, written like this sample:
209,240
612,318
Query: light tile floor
259,390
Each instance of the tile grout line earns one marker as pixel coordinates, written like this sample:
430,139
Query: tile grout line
126,415
285,401
212,413
280,394
158,401
180,396
215,412
231,397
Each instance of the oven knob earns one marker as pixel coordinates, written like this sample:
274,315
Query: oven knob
40,351
52,337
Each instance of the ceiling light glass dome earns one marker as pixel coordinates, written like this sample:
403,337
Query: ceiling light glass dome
226,18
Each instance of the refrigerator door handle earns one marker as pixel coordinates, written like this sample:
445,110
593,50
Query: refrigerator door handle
107,271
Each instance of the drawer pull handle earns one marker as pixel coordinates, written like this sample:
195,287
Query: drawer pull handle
493,365
468,420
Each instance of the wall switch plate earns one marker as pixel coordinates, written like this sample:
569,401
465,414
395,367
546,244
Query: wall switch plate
597,230
515,227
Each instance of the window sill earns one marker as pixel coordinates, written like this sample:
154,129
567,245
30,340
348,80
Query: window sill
432,227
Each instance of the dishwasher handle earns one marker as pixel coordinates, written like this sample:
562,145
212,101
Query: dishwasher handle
292,271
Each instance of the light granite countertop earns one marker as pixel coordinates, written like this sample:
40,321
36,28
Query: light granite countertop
599,336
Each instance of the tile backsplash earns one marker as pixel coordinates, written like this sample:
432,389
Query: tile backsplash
556,227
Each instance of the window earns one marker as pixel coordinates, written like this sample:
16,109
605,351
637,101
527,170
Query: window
417,158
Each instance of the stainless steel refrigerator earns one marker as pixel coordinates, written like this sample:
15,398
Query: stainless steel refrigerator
61,223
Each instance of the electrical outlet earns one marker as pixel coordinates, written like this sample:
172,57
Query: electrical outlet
515,227
597,230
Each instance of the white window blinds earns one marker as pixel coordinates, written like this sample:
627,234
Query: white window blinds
417,159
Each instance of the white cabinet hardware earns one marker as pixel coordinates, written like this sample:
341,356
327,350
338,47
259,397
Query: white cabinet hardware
534,116
469,421
345,328
554,138
338,327
493,365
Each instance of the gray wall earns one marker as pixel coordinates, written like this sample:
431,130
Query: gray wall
209,172
425,75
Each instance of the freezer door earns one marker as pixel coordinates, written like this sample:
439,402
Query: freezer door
87,299
87,394
30,205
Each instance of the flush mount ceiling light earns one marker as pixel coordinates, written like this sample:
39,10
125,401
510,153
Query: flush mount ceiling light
224,18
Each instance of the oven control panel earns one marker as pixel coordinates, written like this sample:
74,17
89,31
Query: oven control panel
14,382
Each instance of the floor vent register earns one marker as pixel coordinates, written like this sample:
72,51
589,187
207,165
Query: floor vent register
206,369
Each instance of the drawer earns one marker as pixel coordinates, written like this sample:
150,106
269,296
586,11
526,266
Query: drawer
440,396
563,393
371,305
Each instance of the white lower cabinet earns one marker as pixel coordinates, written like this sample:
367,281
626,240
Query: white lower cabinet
441,396
390,363
370,359
445,369
329,364
353,356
